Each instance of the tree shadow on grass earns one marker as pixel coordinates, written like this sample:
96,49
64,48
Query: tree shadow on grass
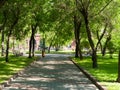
10,68
106,71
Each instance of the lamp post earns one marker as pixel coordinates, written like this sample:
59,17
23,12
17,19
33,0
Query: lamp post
43,46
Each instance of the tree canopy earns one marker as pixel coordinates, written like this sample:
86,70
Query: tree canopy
92,24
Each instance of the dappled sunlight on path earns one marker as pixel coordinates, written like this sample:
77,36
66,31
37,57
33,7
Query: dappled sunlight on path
53,72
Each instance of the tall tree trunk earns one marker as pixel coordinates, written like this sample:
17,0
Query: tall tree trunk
2,46
43,49
30,47
94,55
7,49
8,39
50,46
16,16
75,33
76,51
101,47
94,59
78,43
118,78
7,46
2,30
32,41
33,48
77,25
105,45
13,45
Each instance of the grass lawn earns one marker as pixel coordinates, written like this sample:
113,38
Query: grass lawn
15,64
106,73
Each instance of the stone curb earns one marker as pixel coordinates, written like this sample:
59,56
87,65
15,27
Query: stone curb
94,81
6,83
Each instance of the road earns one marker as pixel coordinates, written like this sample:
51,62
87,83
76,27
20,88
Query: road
53,72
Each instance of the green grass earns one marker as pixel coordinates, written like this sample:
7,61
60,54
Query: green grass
15,64
106,73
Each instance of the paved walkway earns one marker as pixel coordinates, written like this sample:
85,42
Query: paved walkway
53,72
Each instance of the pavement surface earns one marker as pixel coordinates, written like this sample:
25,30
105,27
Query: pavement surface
53,72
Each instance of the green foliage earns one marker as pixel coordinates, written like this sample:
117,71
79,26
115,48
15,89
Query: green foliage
56,15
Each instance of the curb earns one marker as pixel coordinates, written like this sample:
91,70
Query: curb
94,81
6,83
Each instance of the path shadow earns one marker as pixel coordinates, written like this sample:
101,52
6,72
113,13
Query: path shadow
52,73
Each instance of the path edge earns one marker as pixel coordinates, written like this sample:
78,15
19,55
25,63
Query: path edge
94,81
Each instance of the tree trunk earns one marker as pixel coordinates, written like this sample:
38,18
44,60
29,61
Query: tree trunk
101,47
50,46
32,41
16,13
33,48
80,53
94,56
2,46
118,78
30,47
2,30
77,25
7,46
105,45
78,42
7,49
8,39
75,33
13,50
76,51
104,49
94,59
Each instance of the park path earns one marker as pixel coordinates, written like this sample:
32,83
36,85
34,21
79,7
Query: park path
53,72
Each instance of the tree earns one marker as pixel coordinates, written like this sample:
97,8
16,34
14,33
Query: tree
32,40
4,20
77,25
84,7
59,23
34,15
13,20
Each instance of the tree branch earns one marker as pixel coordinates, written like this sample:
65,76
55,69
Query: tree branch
103,8
100,38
